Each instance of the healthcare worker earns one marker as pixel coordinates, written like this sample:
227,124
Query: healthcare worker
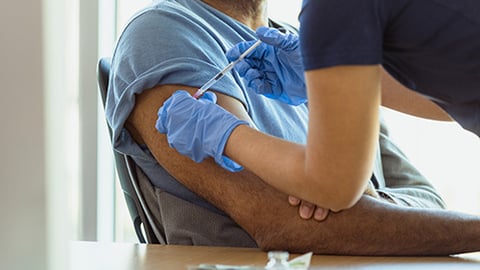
430,46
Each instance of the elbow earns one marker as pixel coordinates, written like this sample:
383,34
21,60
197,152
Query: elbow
344,202
336,196
346,196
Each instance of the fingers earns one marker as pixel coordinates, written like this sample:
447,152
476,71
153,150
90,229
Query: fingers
209,96
269,35
306,210
256,85
177,98
293,201
160,125
276,38
243,67
162,117
255,80
320,214
235,52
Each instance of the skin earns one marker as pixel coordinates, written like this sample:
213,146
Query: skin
296,167
395,96
275,225
398,230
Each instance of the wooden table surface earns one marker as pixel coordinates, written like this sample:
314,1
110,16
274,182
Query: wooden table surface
129,256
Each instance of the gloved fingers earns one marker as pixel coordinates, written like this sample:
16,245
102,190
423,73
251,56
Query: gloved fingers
257,54
198,128
273,88
233,53
242,67
269,35
275,37
261,87
267,84
252,75
162,118
162,114
208,96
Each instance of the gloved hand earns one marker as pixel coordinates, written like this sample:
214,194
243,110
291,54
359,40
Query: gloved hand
198,128
274,69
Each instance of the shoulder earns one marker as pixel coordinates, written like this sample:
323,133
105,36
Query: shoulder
168,33
155,25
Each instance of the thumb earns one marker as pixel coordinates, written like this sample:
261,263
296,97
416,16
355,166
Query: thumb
233,53
276,38
209,96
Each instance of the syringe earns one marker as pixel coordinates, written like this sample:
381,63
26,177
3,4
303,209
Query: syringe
224,71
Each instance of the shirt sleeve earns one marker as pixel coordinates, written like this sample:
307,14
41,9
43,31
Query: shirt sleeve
145,57
341,32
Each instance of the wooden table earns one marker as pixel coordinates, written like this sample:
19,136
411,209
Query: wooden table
129,256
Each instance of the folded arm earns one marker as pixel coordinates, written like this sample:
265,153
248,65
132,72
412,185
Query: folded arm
371,227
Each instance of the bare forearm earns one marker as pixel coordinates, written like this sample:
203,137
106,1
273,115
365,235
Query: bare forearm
374,228
283,166
369,228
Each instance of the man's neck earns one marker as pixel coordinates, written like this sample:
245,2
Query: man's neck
252,13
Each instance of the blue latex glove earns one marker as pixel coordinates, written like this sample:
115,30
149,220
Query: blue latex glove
274,69
198,128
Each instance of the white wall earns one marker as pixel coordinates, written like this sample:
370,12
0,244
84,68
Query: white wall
22,141
39,108
445,153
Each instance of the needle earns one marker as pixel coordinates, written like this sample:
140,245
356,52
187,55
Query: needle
224,71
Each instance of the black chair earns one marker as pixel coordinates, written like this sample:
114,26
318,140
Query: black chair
128,177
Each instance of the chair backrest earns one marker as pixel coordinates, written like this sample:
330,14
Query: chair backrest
127,174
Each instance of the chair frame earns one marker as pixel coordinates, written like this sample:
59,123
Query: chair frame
126,169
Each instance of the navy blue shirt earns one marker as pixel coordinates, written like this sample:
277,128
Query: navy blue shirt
430,46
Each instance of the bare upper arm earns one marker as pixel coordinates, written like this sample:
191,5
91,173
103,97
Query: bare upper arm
397,97
141,124
207,179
